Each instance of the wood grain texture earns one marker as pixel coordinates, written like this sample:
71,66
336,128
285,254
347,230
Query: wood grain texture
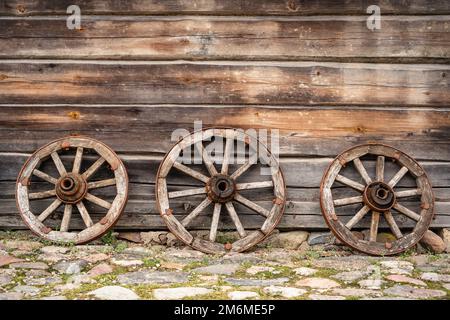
138,221
305,172
290,83
304,131
302,207
224,7
228,38
137,70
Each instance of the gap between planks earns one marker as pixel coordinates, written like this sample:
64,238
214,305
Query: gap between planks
250,63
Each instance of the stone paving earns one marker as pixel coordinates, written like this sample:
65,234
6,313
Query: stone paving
115,269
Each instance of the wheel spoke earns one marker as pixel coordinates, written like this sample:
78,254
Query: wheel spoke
77,160
408,193
42,195
50,209
190,172
244,167
100,202
357,217
206,159
66,218
187,192
215,221
254,185
84,214
101,183
191,216
251,205
93,169
58,163
347,201
362,171
392,224
44,176
407,212
380,168
374,226
395,179
226,157
350,183
235,218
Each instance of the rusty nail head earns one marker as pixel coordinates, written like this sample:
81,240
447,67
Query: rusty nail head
45,229
247,139
397,155
114,165
25,181
168,212
342,161
65,145
228,246
388,245
104,220
425,205
277,201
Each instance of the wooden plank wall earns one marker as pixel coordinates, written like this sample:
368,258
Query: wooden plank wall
139,69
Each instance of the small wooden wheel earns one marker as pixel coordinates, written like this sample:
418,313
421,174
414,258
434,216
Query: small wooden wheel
220,188
68,181
398,190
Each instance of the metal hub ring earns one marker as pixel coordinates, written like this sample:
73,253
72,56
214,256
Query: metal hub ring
71,188
221,188
379,196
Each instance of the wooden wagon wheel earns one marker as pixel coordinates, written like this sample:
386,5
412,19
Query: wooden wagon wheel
220,188
376,196
71,187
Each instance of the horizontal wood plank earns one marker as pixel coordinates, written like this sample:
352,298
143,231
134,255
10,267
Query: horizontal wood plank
280,83
154,222
312,132
147,205
306,173
216,38
223,7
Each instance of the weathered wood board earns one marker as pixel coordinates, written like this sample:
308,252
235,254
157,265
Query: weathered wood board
304,130
138,70
236,38
224,7
219,82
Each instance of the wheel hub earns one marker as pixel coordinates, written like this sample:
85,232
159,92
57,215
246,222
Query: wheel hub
379,196
71,188
221,188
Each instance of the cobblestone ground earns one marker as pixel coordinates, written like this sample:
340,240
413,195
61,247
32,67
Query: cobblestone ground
111,269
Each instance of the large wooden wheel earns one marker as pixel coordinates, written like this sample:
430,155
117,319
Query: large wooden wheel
397,191
220,189
57,169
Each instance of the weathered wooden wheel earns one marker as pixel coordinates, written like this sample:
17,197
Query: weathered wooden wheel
57,168
220,188
348,186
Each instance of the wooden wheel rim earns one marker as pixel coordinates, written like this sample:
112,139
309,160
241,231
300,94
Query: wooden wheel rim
208,246
92,230
408,164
